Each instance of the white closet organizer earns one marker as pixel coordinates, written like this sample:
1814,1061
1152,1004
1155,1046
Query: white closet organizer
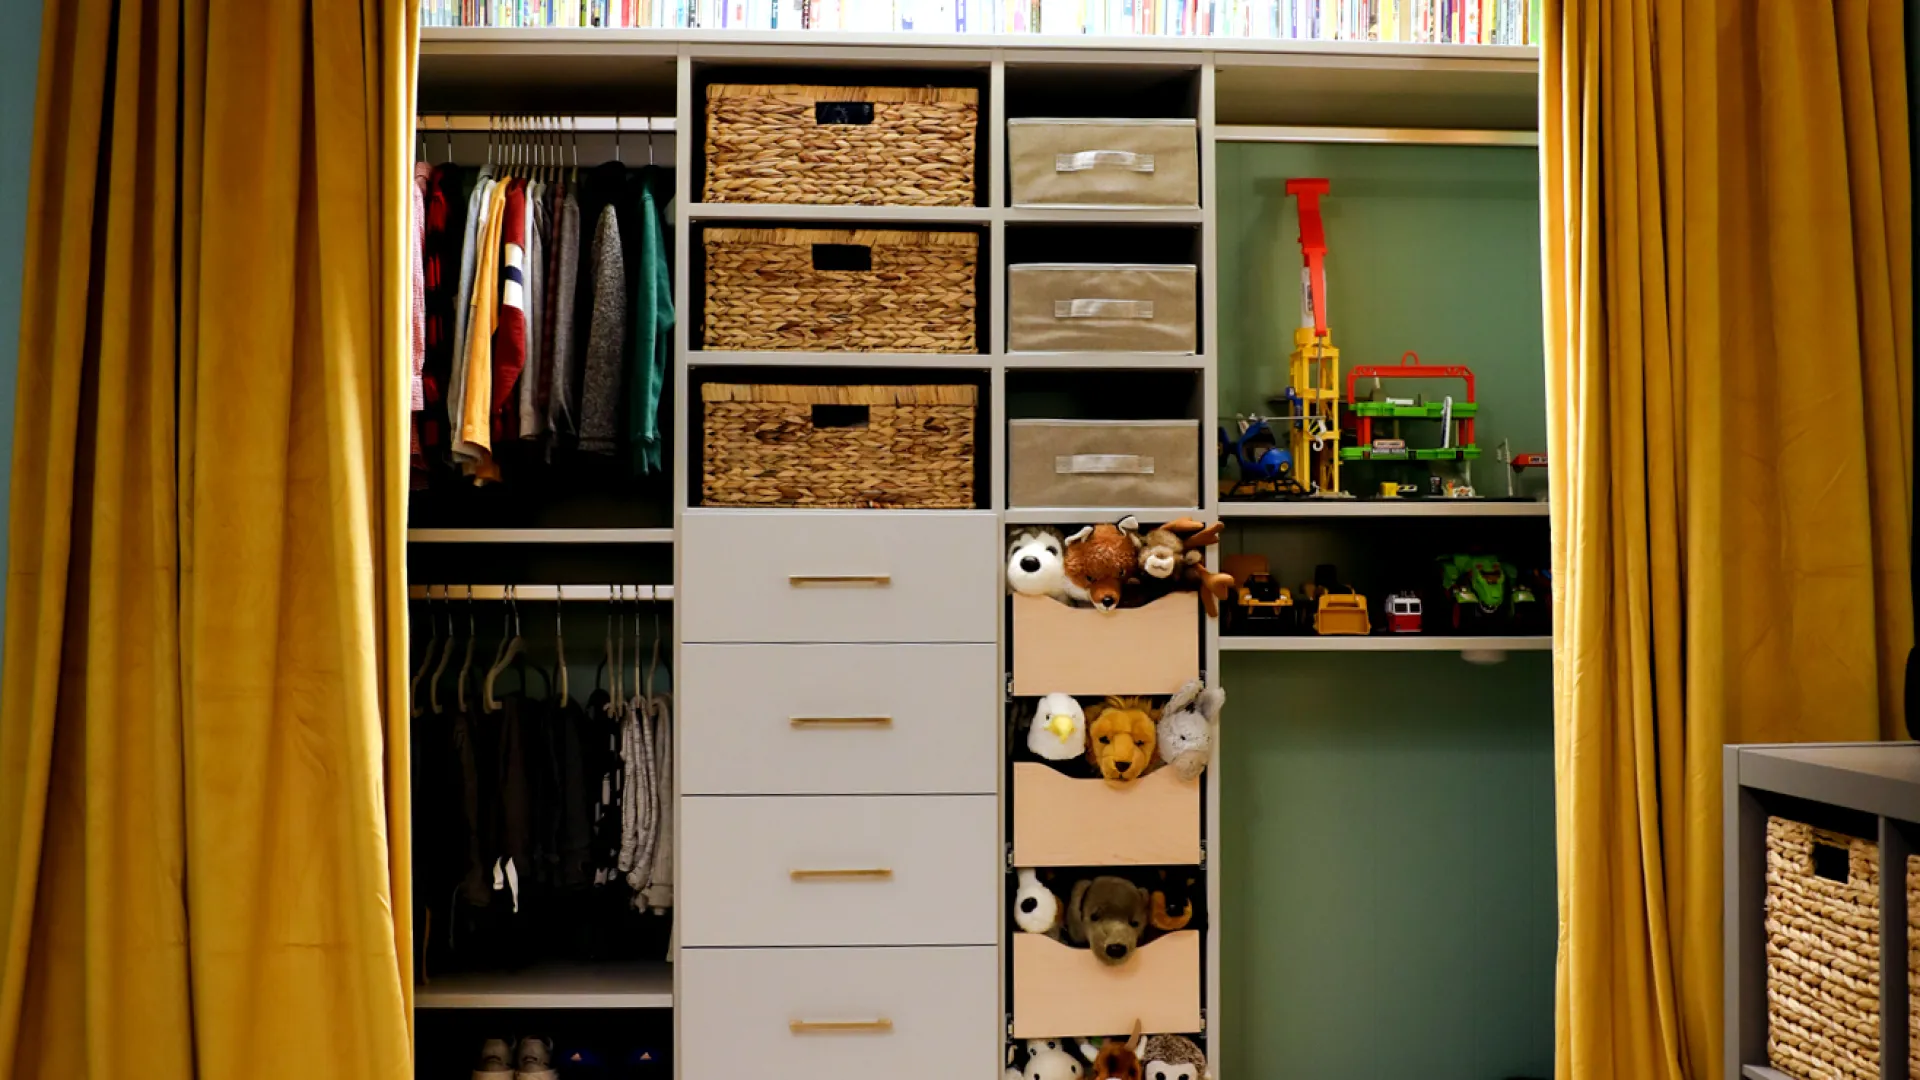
843,835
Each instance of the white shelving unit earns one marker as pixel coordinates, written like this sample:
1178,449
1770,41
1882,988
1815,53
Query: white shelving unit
1379,508
1292,90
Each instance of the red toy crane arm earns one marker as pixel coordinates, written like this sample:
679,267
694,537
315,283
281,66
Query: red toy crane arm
1313,244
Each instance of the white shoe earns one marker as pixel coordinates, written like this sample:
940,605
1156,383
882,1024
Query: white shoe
534,1061
496,1061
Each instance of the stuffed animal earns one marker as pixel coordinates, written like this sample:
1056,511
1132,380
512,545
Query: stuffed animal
1119,1059
1043,1059
1176,553
1035,909
1035,563
1122,738
1106,914
1059,729
1173,1057
1185,729
1171,906
1100,559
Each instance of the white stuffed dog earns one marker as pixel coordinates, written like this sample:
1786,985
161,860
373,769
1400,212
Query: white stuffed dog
1036,563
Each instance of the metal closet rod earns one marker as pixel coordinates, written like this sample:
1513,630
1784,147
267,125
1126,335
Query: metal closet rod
501,123
603,593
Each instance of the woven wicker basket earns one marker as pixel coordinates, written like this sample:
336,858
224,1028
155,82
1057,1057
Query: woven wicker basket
835,290
1913,967
1823,954
879,447
845,145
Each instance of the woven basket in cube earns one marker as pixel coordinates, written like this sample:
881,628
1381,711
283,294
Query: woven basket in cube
876,447
845,145
1913,967
771,289
1823,955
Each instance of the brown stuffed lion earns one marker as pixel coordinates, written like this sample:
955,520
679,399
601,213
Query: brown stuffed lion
1122,739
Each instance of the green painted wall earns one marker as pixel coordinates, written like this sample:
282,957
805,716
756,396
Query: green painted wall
19,70
1387,829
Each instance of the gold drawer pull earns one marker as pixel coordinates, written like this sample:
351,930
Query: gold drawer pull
801,580
803,1027
874,872
840,721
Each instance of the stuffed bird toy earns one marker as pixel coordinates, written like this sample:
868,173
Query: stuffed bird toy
1059,729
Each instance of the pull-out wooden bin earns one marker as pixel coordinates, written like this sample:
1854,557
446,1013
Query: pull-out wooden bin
1058,649
1103,462
1098,163
1061,991
1153,821
1085,307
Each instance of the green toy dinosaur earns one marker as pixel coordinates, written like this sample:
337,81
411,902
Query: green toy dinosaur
1483,582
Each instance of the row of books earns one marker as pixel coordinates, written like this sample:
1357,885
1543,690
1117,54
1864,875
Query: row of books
1472,22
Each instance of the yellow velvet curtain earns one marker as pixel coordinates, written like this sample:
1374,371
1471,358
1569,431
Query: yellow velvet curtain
203,844
1728,264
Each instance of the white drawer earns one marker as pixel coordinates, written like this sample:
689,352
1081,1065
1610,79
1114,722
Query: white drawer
856,870
839,575
929,1014
838,720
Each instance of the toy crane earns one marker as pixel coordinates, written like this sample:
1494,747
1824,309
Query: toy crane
1310,405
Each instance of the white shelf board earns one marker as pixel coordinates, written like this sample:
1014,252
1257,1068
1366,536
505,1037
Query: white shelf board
1761,1072
1103,361
1090,515
950,361
1061,215
1371,508
539,536
596,986
1385,643
841,215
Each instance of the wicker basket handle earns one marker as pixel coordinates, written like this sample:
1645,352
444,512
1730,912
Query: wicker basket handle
843,112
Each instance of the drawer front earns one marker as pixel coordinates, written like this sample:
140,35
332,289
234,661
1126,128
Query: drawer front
839,576
929,1014
1096,163
1103,463
838,720
1067,308
881,870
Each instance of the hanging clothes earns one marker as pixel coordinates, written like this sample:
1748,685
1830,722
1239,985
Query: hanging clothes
475,442
446,221
473,255
417,326
606,339
650,342
531,422
563,402
510,338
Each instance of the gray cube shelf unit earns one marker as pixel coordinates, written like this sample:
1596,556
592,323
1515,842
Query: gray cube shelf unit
766,973
1866,790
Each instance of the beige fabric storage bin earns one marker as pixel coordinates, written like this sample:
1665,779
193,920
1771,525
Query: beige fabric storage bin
1104,163
844,145
1153,649
1090,307
1152,821
1059,990
1103,463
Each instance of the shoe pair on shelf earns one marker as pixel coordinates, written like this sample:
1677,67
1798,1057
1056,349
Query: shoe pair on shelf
500,1061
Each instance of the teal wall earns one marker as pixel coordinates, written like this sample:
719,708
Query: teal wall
1387,818
19,66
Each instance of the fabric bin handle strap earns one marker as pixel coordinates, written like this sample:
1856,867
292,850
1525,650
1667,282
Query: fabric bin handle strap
1112,159
1102,464
1096,308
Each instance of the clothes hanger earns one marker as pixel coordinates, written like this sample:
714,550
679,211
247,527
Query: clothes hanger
446,654
616,700
616,142
426,659
490,120
466,665
509,652
446,128
573,133
560,643
649,141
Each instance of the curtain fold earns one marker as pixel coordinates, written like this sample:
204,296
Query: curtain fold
1728,257
205,687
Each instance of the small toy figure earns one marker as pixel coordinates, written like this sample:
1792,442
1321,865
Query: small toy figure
1100,559
1106,914
1059,729
1043,1059
1176,553
1403,613
1035,908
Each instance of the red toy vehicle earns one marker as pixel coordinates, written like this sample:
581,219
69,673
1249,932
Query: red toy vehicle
1403,613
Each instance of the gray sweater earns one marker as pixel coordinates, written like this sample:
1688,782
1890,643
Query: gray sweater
606,339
